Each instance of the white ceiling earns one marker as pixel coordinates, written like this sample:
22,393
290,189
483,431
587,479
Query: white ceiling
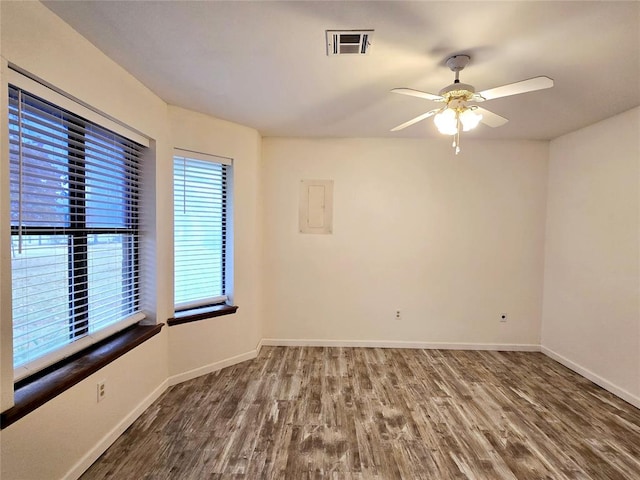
263,64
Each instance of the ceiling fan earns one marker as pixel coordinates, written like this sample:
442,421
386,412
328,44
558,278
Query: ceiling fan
458,113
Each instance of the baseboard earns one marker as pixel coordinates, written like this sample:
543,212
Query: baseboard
92,455
588,374
511,347
213,367
259,347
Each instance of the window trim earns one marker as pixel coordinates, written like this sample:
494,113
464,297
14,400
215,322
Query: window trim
202,309
201,313
46,91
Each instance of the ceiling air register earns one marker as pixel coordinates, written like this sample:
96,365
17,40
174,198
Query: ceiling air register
348,42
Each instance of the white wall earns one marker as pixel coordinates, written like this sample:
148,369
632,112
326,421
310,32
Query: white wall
62,438
591,313
450,241
200,347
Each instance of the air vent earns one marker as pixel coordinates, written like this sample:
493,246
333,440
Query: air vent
348,42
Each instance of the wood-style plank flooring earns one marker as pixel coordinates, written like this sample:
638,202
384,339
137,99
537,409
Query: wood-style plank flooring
364,413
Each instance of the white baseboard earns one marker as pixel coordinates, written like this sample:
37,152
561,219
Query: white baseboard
510,347
259,347
92,455
588,374
213,367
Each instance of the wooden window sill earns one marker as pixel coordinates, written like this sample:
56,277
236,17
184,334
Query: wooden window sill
201,313
36,390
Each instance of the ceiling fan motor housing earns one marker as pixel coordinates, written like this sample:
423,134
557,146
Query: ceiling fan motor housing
459,91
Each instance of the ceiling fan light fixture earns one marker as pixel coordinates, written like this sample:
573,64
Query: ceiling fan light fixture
457,116
469,119
447,121
454,118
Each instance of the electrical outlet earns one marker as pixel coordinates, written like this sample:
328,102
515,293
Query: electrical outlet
398,316
102,390
503,318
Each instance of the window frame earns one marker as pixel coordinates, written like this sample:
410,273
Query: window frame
77,246
206,307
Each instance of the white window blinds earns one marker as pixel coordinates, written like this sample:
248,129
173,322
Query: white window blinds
200,229
74,231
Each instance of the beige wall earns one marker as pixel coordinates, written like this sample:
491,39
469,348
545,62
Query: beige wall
38,42
591,314
451,241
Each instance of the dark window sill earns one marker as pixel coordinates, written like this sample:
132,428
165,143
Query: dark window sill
36,390
201,313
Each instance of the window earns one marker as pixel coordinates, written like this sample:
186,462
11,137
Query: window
74,231
201,185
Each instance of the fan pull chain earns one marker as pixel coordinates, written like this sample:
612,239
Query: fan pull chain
456,137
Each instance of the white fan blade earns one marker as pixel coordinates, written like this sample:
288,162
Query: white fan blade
530,85
419,118
489,118
418,93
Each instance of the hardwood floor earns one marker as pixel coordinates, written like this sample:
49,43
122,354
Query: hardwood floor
364,413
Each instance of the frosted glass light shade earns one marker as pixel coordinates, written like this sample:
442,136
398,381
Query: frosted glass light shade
446,122
469,120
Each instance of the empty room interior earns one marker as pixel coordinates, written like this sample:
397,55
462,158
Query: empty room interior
318,239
